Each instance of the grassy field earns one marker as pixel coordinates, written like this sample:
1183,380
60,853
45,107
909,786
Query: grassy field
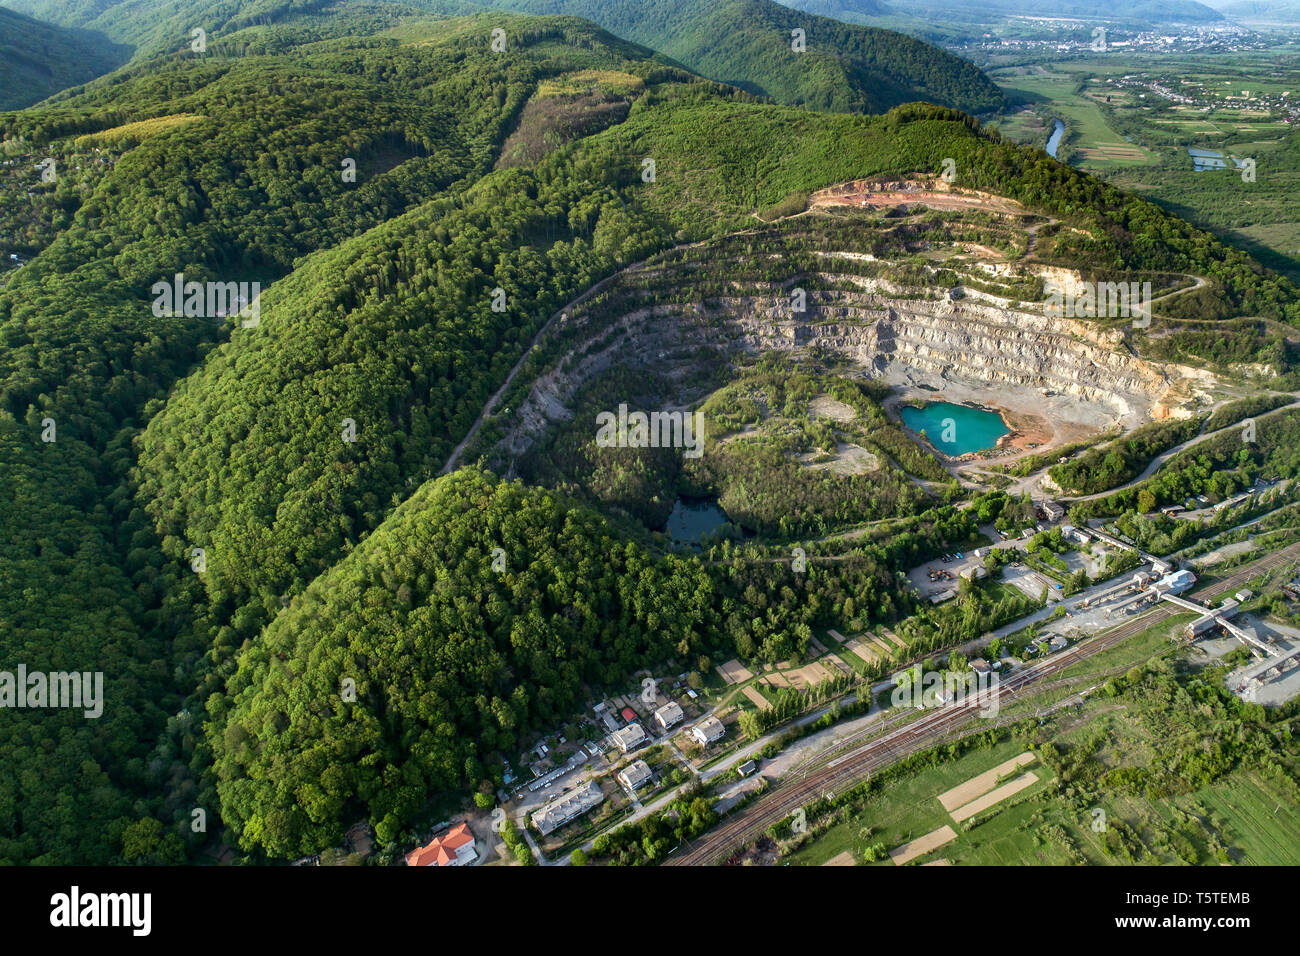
1054,92
910,808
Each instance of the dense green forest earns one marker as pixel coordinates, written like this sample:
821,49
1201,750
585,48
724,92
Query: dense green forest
37,59
748,43
451,660
1123,459
299,456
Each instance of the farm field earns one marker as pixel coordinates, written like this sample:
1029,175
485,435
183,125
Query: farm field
1125,123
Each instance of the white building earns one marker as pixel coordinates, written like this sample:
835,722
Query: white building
635,775
708,730
630,737
669,715
1175,583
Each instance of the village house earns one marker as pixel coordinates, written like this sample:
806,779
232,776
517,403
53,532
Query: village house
708,730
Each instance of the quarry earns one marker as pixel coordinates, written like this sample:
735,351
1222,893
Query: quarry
934,321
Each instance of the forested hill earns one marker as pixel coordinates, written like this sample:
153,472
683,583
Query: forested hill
129,439
747,43
442,683
37,59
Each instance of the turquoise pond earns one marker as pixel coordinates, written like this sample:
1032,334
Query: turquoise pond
955,429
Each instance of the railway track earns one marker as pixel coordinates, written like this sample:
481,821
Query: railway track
852,768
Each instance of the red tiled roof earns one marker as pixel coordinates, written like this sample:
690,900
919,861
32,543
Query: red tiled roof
442,849
629,715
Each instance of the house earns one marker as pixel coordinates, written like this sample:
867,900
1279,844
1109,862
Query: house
608,719
568,807
629,715
746,768
1053,511
635,775
669,715
1244,596
708,730
980,666
454,848
1058,644
630,737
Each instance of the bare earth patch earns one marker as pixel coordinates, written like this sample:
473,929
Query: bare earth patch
994,797
756,698
849,459
864,652
841,859
922,845
823,406
733,672
982,784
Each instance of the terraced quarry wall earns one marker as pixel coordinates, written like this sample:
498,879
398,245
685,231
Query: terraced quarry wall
673,311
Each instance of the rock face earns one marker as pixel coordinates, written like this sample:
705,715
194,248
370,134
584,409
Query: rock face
900,335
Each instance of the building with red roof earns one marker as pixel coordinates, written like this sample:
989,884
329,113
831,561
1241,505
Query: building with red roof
453,848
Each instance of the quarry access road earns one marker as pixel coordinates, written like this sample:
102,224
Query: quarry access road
1164,456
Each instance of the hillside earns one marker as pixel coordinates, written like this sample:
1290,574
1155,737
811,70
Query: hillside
1259,11
743,42
748,43
38,59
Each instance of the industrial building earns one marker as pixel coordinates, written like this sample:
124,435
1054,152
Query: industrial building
1175,583
1225,611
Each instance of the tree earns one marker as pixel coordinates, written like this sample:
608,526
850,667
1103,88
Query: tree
578,857
144,842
